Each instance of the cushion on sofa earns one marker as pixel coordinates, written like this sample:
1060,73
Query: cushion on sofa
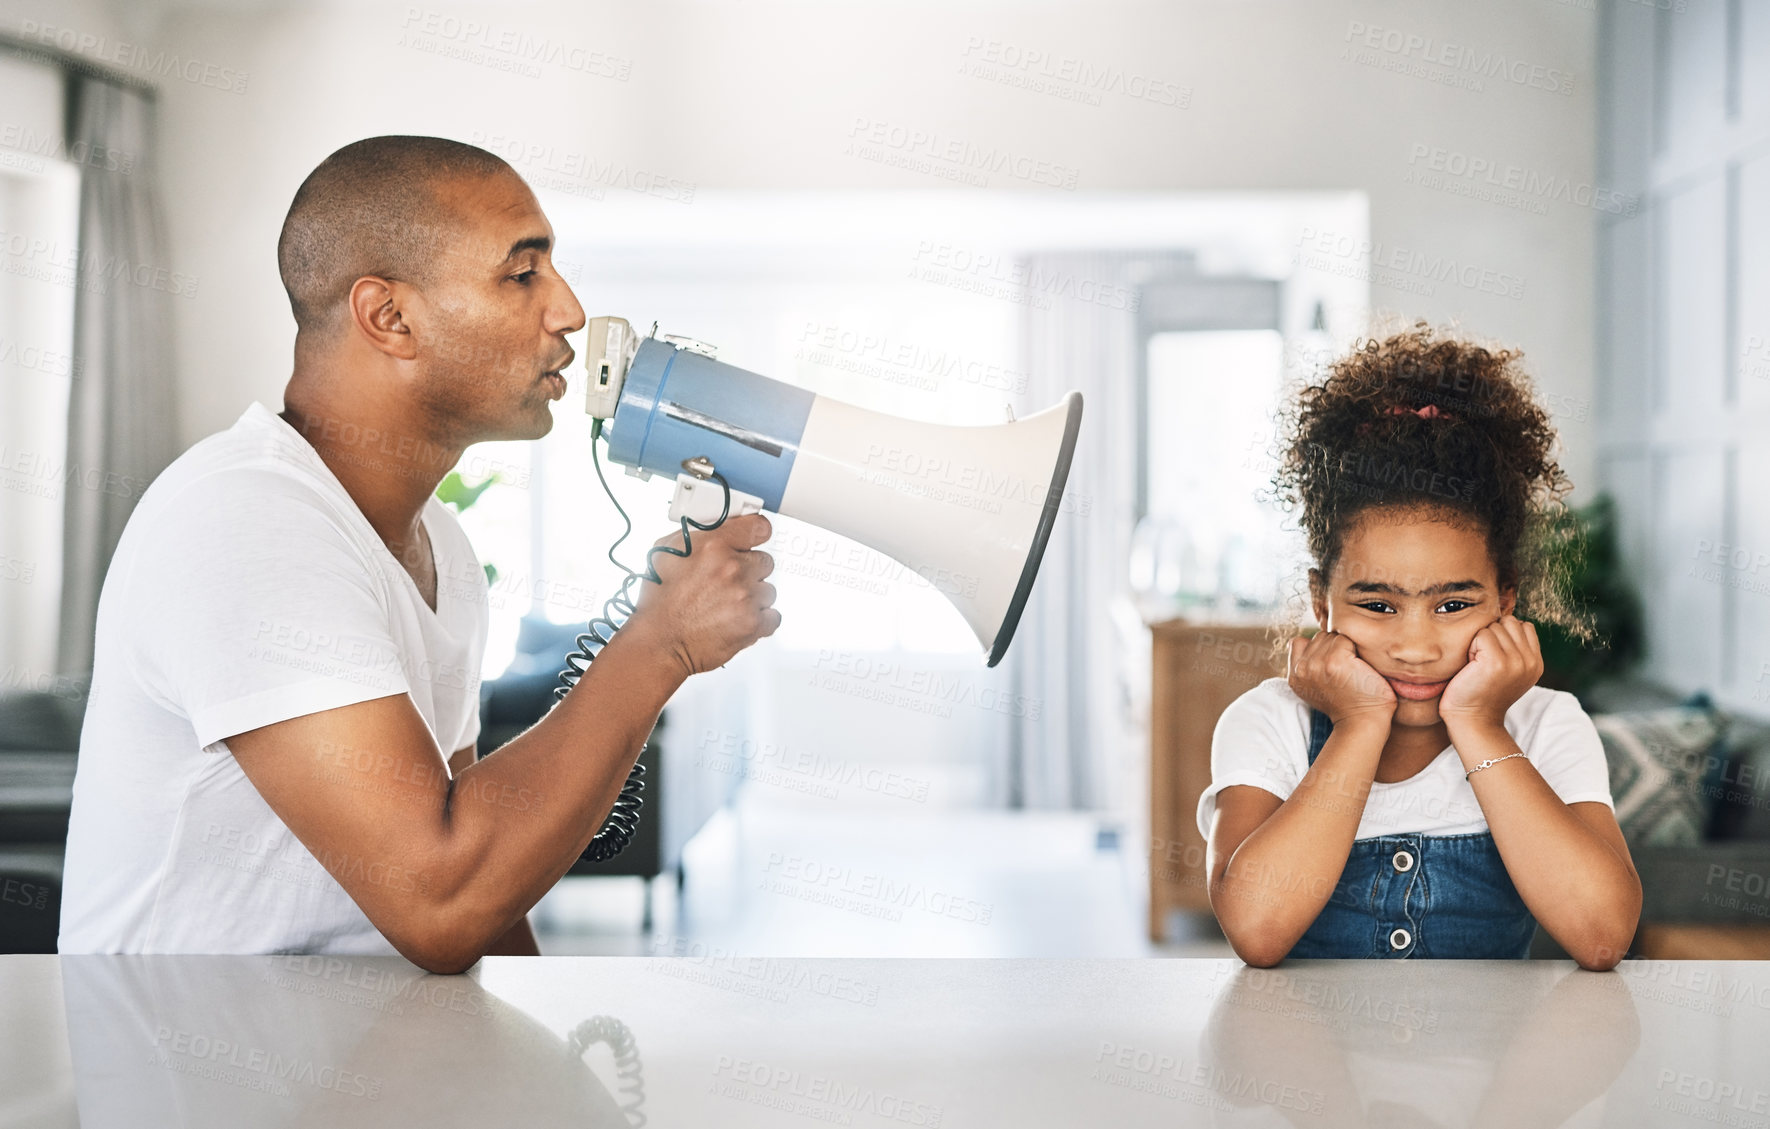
1660,763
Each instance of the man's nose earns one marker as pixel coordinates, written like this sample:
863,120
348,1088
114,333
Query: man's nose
564,314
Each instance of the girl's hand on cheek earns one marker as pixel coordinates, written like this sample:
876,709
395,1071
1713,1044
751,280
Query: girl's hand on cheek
1327,673
1505,660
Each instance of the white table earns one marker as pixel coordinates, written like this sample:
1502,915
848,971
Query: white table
709,1041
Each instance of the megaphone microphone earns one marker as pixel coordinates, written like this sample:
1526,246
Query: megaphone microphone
968,508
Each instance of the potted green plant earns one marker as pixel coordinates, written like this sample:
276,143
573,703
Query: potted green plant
1583,553
454,491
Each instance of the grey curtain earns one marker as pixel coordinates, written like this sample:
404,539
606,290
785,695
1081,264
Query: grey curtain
122,418
1079,330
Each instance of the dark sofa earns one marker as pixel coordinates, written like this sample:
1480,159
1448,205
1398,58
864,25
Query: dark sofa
39,736
1692,784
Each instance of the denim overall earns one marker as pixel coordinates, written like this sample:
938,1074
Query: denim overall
1409,895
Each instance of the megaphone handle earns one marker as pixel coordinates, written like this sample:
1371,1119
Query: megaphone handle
623,819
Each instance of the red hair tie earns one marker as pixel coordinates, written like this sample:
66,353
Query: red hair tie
1428,411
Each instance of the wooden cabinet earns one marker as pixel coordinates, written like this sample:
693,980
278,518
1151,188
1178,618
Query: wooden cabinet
1197,669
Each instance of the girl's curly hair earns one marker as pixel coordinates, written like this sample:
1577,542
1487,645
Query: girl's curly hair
1421,419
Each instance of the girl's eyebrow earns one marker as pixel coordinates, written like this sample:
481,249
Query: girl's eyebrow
1446,588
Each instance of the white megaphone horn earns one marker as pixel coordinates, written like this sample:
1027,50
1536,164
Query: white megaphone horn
969,509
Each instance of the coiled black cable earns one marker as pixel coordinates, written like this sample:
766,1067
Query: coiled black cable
617,831
629,1071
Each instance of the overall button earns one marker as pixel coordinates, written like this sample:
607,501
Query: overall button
1400,939
1404,862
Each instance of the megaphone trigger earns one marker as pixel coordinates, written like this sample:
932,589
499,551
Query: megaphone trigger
702,499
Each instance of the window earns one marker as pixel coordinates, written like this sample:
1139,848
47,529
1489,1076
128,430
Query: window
1207,537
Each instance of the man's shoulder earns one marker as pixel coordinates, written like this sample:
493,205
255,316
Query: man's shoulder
249,461
245,487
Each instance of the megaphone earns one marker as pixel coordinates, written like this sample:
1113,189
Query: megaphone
968,508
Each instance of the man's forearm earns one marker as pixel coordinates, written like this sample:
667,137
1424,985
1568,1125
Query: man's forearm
517,819
517,941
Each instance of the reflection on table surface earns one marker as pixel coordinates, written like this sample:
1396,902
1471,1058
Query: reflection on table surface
618,1041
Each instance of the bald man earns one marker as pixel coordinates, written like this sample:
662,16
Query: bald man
279,749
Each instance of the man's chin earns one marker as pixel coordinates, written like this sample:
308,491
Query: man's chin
533,423
543,420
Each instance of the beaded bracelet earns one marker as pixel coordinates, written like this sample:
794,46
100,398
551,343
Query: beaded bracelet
1489,763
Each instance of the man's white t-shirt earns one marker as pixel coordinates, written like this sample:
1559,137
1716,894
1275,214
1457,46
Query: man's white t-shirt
1262,739
247,589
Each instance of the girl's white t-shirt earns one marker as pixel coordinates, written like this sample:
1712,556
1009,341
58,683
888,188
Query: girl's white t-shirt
1262,740
247,589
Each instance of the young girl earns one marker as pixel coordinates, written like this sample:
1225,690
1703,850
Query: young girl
1407,790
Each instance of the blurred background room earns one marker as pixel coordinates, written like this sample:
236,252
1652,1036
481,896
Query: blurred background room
946,212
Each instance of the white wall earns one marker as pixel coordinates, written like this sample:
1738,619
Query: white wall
1684,422
1279,94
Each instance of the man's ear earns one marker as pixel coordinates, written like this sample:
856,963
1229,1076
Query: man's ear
375,311
1318,597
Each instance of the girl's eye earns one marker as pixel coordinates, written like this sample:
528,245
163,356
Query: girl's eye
1376,606
1454,605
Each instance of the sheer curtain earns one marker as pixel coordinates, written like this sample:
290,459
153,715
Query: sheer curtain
39,208
122,419
1079,331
